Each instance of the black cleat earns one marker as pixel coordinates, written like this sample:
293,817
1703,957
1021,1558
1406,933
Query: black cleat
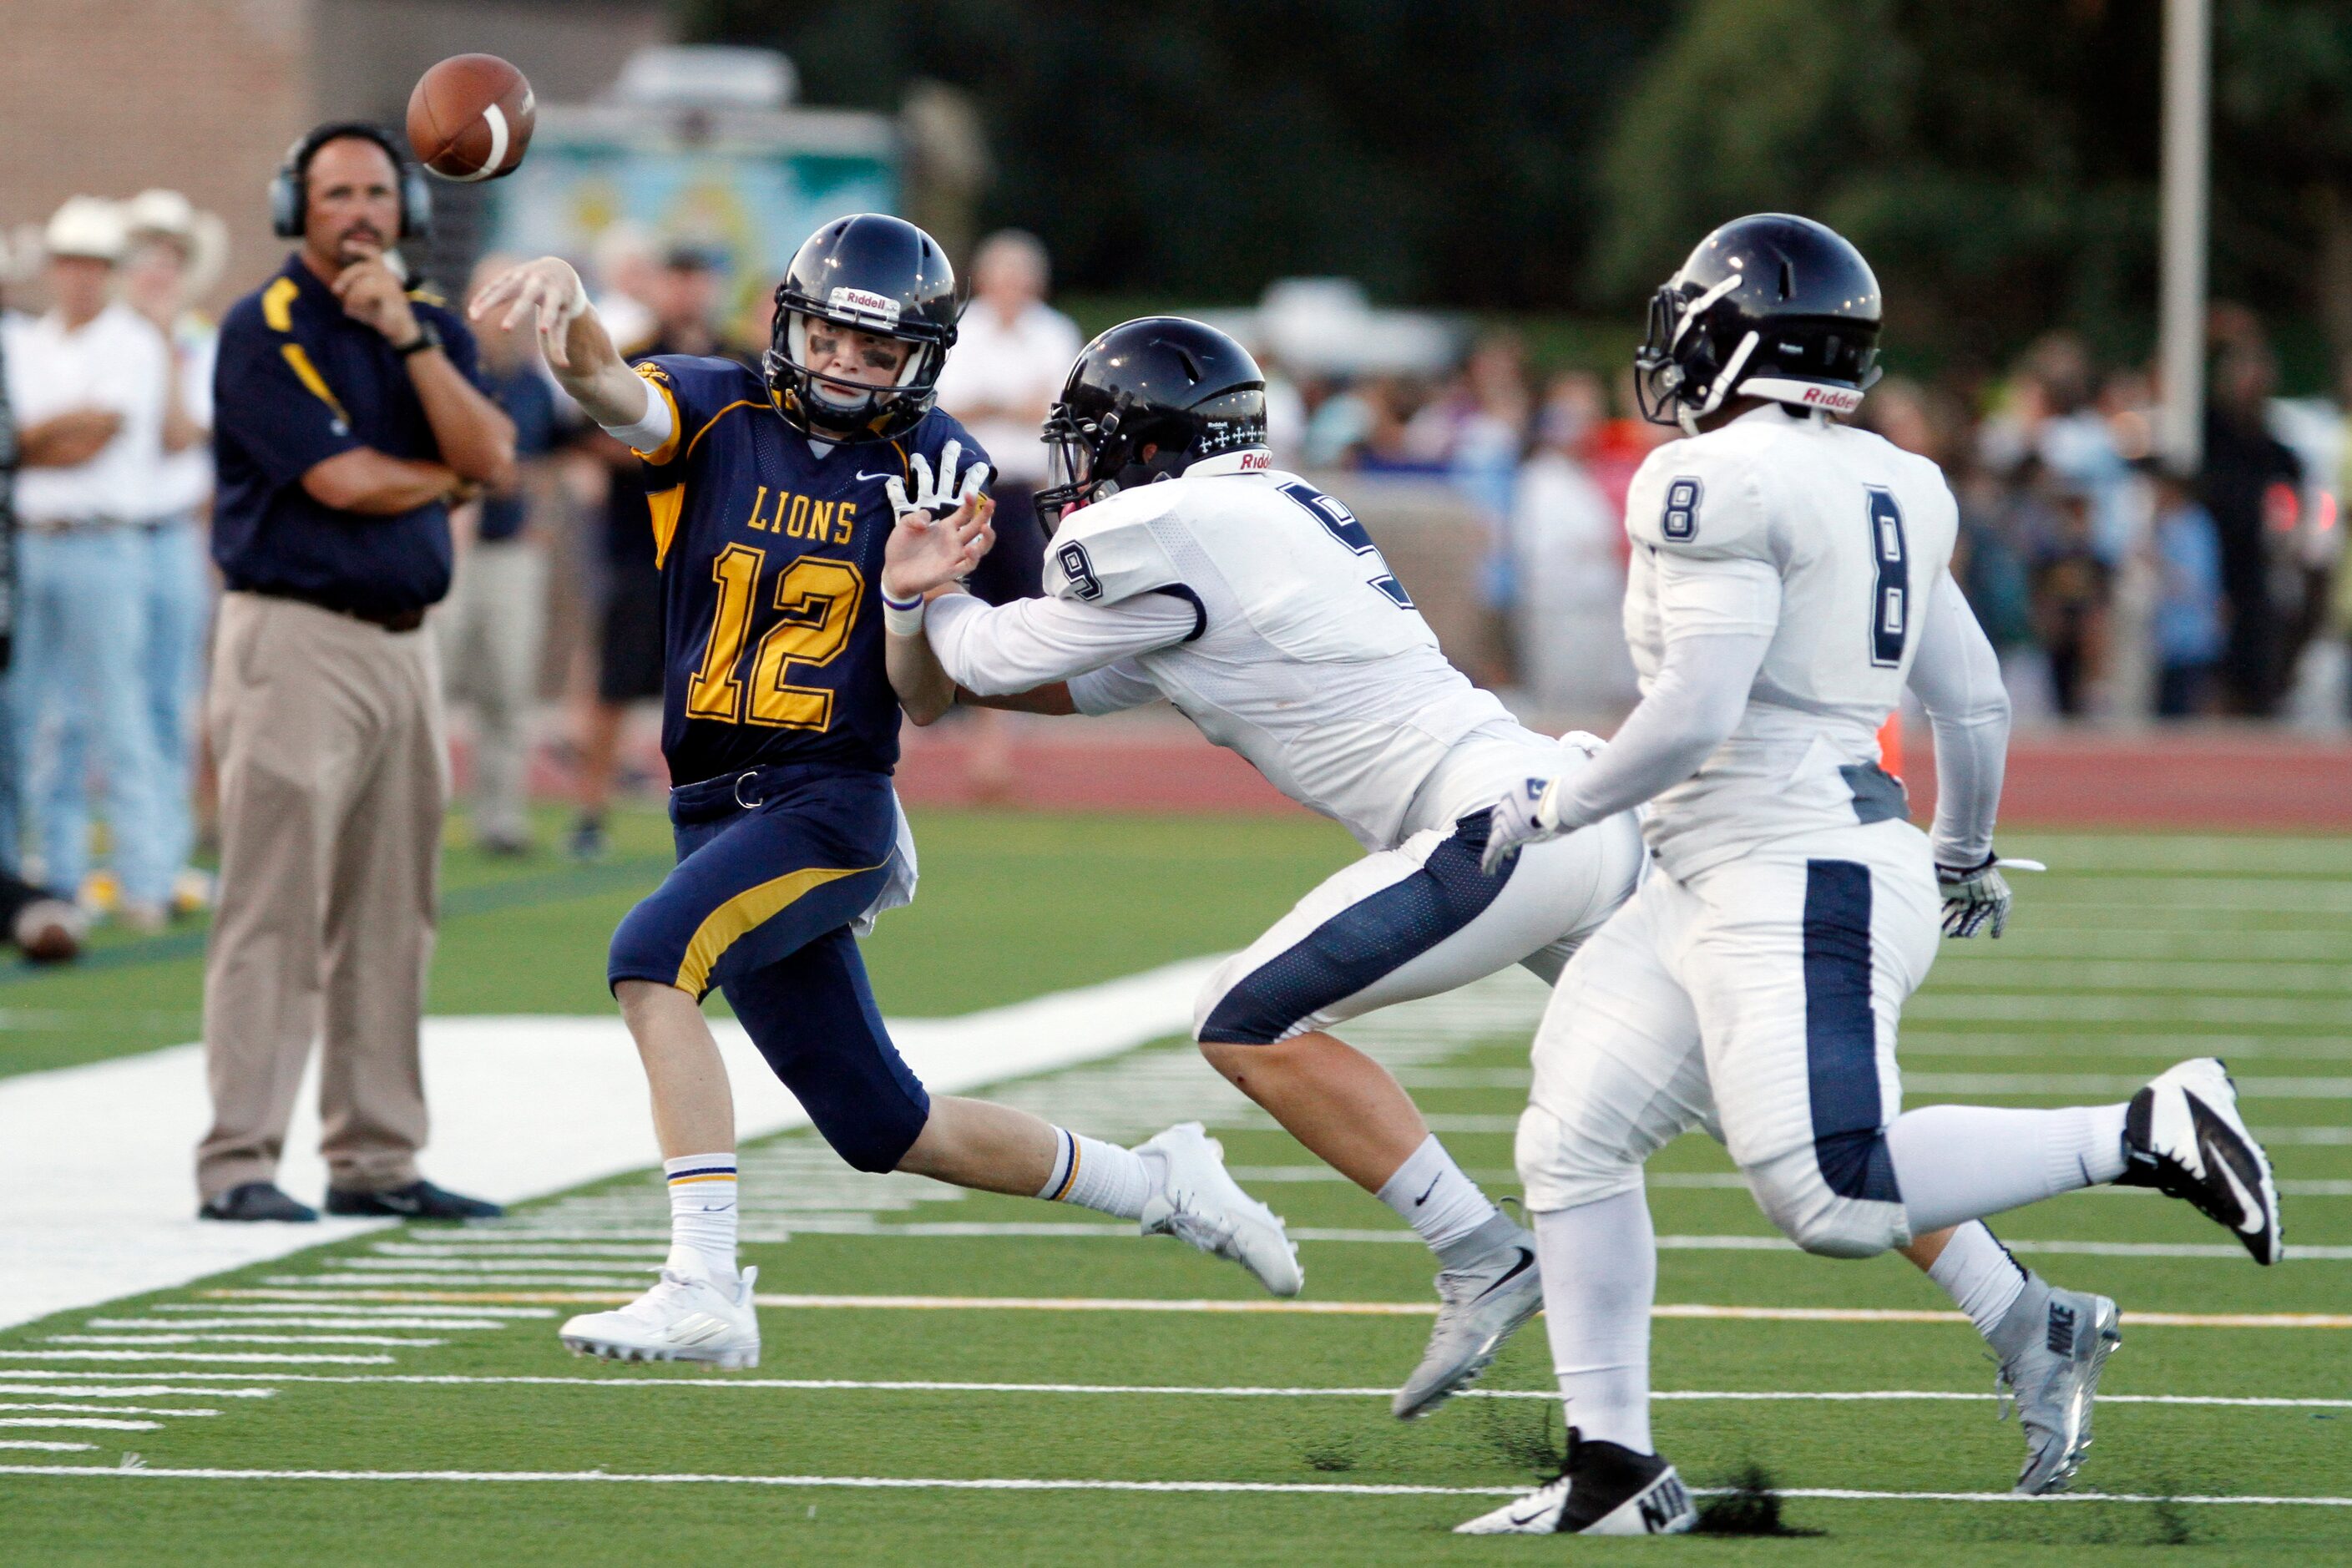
2183,1136
1604,1489
418,1200
255,1201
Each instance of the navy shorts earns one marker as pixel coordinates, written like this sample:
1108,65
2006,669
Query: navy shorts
773,868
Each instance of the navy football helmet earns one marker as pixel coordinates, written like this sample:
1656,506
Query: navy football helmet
872,273
1144,402
1771,305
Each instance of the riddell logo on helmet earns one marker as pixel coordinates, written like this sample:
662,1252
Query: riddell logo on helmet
1256,462
1836,399
862,302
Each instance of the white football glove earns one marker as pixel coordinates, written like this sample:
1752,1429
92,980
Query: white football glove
937,499
1974,895
1513,821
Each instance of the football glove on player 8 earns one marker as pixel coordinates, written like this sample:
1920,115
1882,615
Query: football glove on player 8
939,498
1974,895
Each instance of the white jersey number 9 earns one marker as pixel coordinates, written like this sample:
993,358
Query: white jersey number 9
1890,599
1341,524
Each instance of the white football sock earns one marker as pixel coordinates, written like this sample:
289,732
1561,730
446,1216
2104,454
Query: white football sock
1098,1175
1600,1267
1980,1276
1958,1162
1431,1193
702,1215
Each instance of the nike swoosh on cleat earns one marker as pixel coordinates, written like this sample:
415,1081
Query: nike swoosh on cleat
2251,1216
1527,1261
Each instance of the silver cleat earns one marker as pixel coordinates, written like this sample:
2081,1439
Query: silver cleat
2053,1345
1480,1305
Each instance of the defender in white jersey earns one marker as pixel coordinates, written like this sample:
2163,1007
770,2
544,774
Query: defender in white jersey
1259,606
1788,579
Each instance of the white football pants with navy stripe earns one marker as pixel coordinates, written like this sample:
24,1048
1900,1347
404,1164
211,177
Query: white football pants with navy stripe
1417,921
1758,1000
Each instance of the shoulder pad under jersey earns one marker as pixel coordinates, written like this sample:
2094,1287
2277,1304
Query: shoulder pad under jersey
1702,498
1112,550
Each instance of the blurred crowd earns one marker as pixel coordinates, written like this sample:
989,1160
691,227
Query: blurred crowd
2116,586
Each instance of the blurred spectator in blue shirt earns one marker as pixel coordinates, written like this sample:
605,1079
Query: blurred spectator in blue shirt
2188,632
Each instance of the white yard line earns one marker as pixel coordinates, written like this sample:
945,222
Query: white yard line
1332,1308
80,1422
107,1409
96,1160
207,1358
1208,1391
264,1311
151,1341
1032,1484
177,1324
49,1447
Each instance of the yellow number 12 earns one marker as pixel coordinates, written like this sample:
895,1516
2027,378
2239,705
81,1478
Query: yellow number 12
818,600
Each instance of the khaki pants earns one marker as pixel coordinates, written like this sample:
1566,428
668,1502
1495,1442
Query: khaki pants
327,735
489,632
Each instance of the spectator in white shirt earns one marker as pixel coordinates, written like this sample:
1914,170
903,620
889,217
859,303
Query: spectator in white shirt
1012,352
174,252
80,648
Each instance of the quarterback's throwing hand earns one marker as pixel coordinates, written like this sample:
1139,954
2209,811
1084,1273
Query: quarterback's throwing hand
1515,820
937,497
1976,895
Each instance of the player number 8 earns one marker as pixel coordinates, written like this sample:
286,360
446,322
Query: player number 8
1681,522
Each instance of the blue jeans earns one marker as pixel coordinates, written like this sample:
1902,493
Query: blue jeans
81,651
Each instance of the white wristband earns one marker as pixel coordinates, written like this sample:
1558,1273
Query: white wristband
902,618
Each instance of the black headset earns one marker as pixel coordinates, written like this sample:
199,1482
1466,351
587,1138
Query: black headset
289,188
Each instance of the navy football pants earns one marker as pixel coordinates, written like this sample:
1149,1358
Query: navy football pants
759,906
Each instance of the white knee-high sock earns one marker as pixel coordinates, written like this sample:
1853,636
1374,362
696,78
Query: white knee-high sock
1980,1276
1098,1175
702,1215
1436,1196
1958,1162
1600,1277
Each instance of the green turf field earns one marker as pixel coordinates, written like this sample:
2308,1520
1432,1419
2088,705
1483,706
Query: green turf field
2139,950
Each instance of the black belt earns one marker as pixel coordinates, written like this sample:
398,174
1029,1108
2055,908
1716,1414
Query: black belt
390,620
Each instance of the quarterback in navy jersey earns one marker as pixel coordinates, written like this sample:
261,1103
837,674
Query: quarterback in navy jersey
774,495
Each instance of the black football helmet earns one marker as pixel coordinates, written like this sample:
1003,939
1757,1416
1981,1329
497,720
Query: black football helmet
1771,306
1144,402
872,273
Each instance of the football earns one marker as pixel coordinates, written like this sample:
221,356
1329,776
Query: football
470,118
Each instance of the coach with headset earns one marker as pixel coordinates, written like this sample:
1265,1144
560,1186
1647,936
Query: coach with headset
348,419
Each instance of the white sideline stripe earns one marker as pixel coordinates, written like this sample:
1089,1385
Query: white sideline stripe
105,1409
150,1340
1400,1309
95,1159
52,1448
1029,1484
633,1284
210,1357
356,1313
296,1323
918,1386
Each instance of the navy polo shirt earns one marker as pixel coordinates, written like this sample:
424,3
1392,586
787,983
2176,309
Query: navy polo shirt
300,382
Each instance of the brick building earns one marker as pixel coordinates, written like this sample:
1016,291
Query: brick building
110,97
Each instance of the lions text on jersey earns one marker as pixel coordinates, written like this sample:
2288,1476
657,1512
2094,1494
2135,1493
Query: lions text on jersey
771,551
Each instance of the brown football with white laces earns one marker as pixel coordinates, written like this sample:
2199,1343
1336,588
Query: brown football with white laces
470,118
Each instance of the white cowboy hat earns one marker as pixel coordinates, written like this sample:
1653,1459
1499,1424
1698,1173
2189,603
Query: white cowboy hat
88,227
202,237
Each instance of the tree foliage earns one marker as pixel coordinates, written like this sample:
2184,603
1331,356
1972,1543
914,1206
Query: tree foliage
1998,160
1204,147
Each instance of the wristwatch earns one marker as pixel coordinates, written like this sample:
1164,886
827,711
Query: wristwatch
428,336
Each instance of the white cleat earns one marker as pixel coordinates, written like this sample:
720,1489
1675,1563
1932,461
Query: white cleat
2184,1137
685,1317
1198,1202
1604,1490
